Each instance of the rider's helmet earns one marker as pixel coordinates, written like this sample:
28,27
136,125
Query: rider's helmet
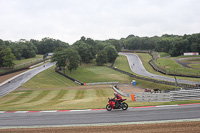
115,93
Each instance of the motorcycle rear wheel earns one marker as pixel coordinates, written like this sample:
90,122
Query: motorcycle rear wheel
125,106
108,107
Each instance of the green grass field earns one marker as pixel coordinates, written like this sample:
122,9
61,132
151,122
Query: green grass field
66,99
145,58
91,74
122,63
48,79
55,99
17,62
195,66
171,66
51,91
24,62
163,54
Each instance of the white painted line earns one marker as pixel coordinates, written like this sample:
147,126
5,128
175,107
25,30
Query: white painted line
80,110
167,106
2,111
21,111
49,111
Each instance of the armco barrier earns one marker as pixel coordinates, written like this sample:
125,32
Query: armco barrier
192,94
119,92
152,97
102,83
185,95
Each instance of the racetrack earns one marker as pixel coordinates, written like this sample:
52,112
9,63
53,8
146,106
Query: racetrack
137,67
20,79
100,117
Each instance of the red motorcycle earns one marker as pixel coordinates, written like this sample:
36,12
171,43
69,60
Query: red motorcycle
112,104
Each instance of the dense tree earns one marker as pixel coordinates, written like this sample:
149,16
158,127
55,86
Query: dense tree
84,51
66,57
101,58
73,59
29,50
115,43
7,57
48,45
60,57
111,53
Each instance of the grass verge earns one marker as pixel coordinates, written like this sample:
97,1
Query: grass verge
91,74
48,79
67,100
29,60
145,58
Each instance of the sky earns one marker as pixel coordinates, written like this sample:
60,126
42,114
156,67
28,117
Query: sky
69,20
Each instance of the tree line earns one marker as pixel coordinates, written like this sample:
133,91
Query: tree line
175,45
86,49
26,49
82,51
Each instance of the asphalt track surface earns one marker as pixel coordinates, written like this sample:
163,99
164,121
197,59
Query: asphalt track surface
137,67
14,83
78,118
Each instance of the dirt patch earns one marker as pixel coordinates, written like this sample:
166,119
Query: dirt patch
180,127
129,88
7,76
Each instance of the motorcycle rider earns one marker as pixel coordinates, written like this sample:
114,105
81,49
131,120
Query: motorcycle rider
118,99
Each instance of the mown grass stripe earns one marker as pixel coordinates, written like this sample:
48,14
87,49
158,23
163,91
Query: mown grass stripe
59,95
23,100
55,99
101,93
40,96
20,97
80,94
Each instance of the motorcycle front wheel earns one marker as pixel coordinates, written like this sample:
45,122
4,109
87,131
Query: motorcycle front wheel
125,106
108,107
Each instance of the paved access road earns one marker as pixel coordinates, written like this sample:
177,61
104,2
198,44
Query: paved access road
137,67
14,83
159,113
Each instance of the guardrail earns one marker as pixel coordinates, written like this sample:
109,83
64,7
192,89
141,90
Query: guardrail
119,92
192,94
152,97
181,95
102,83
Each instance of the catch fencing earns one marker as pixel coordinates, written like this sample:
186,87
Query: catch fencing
152,97
102,83
180,95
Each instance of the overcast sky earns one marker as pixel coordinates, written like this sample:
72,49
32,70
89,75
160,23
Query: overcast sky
68,20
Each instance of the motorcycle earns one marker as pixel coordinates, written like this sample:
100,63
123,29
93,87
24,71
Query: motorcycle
112,104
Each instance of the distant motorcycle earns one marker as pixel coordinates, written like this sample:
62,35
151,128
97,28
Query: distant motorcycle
112,104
